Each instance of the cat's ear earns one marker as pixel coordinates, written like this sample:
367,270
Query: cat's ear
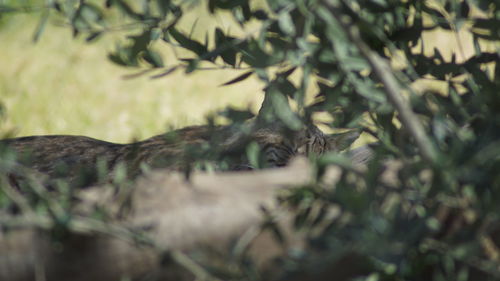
341,141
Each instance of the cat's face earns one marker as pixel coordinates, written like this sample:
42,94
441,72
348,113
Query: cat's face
313,141
280,148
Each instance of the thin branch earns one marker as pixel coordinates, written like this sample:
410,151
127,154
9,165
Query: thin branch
15,196
197,270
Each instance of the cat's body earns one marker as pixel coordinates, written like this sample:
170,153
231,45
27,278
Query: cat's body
62,156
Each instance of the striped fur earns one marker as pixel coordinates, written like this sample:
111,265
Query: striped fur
70,157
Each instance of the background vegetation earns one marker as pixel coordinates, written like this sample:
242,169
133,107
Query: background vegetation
364,64
61,85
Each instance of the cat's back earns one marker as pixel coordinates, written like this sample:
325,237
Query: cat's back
67,156
54,141
58,145
46,153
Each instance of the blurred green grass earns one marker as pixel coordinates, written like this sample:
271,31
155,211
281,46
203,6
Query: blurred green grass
65,86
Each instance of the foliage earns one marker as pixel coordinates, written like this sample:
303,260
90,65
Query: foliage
448,142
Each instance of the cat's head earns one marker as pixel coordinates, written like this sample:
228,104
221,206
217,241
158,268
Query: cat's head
279,145
313,140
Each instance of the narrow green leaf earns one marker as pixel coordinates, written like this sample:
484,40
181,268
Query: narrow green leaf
153,58
41,26
255,56
260,14
282,109
253,155
192,65
344,140
334,31
287,72
236,115
229,56
163,6
91,13
126,9
117,59
94,36
286,24
225,47
165,73
239,78
477,47
155,34
355,63
367,89
335,159
190,44
139,43
286,87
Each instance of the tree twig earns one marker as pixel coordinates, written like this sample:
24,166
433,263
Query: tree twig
15,196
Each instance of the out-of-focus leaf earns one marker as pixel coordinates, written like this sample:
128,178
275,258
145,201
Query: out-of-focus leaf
124,56
247,12
225,47
127,10
260,14
155,34
344,140
192,65
440,128
41,26
286,24
253,155
91,13
255,56
140,43
464,9
226,4
188,43
437,16
239,78
165,73
486,23
287,73
367,89
355,64
282,109
117,59
278,44
94,36
163,6
153,58
85,18
286,87
334,31
236,115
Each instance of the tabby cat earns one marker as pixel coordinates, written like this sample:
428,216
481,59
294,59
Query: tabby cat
75,158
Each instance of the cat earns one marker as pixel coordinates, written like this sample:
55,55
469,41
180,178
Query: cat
76,158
